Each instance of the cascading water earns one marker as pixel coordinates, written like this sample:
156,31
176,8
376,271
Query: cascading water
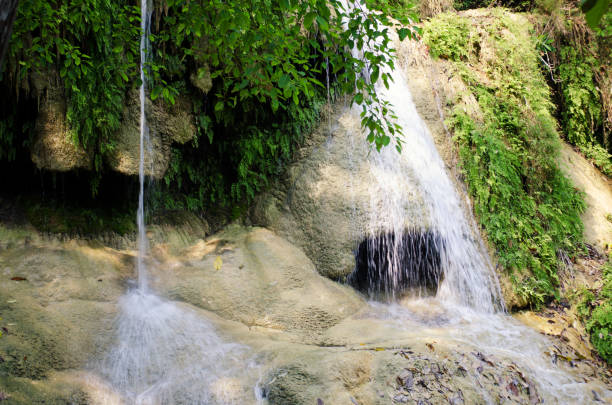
467,276
467,308
446,249
163,352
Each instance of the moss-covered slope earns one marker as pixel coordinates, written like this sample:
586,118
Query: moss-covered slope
508,145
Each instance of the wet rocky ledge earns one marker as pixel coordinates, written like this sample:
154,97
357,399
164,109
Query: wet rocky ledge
313,340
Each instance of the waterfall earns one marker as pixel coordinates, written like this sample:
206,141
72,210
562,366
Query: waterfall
429,245
466,276
415,242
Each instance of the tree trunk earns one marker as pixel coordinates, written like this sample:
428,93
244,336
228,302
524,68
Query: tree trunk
8,12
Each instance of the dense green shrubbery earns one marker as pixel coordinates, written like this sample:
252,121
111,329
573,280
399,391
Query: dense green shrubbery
508,153
93,46
256,155
518,5
596,312
448,37
581,83
270,62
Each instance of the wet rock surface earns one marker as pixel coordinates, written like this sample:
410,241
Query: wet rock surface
257,278
313,340
324,201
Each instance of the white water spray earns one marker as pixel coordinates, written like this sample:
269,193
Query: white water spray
423,196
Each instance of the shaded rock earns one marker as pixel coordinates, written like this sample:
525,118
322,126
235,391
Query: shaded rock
54,146
201,79
166,124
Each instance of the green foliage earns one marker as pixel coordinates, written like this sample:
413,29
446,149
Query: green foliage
518,5
508,148
240,166
271,62
596,312
402,10
448,37
582,113
594,10
532,290
93,45
275,52
599,156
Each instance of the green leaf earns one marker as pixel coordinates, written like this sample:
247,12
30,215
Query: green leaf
284,81
219,106
323,24
358,98
403,33
309,19
594,10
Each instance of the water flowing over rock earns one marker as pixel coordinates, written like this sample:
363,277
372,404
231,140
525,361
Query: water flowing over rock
314,339
340,194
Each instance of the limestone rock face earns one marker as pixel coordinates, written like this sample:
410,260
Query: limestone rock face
54,148
263,281
201,79
325,202
597,190
166,125
58,302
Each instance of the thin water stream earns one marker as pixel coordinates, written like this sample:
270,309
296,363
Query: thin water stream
164,352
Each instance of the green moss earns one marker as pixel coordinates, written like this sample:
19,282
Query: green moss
448,37
581,114
53,217
599,156
596,312
23,391
583,83
508,149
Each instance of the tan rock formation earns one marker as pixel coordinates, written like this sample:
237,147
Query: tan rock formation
166,125
55,146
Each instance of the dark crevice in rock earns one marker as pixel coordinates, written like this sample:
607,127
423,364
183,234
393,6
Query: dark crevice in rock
390,264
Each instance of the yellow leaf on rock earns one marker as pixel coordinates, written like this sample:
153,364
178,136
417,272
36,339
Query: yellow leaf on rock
218,263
